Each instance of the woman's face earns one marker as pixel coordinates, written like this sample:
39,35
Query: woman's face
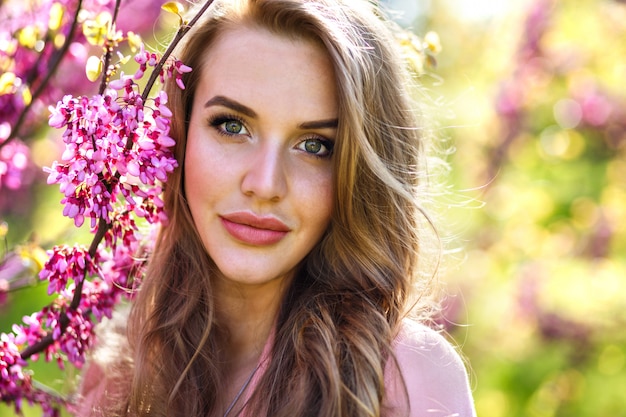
258,170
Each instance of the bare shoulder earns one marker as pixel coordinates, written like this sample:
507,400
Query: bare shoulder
429,373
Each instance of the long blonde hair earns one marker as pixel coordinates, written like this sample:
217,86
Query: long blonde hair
339,317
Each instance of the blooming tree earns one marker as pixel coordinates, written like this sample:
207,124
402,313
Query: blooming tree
117,156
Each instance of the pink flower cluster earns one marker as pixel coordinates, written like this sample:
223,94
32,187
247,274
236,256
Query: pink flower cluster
16,384
71,328
11,364
173,69
27,54
116,145
72,333
66,264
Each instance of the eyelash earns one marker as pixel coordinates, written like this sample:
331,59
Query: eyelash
217,121
327,143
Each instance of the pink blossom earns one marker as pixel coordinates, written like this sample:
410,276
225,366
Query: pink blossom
12,378
67,264
108,138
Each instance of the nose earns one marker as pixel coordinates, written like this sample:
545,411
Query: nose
265,177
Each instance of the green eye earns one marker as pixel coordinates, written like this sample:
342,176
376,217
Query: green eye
322,148
312,146
228,125
233,127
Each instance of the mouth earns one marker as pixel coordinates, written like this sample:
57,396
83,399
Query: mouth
254,230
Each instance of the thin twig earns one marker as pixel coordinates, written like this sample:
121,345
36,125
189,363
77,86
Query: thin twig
184,28
108,52
41,345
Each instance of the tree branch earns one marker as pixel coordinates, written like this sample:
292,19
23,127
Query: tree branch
184,28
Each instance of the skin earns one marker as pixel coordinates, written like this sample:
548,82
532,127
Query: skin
259,146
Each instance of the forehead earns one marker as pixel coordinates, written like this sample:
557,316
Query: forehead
254,64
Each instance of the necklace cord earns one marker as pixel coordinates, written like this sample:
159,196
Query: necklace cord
241,391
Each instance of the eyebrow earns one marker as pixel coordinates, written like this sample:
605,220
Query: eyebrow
320,124
247,111
231,104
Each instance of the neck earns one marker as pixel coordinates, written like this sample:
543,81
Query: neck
248,313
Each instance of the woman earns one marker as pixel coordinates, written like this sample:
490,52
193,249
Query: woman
282,284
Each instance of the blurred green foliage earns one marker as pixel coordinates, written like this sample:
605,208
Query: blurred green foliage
539,104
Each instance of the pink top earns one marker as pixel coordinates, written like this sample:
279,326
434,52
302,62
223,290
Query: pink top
434,375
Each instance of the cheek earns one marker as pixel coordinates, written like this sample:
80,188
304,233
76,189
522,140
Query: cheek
201,154
190,168
329,198
199,169
318,199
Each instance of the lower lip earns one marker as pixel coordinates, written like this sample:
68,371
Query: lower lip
251,235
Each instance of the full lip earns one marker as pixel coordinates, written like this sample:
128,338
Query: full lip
253,229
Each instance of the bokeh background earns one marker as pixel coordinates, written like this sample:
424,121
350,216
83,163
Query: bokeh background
536,96
531,95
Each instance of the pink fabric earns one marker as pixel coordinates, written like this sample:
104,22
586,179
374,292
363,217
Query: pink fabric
434,375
